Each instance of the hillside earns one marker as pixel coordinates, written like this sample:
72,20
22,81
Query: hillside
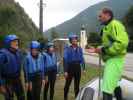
13,19
88,16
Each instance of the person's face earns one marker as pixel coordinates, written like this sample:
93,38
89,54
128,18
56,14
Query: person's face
34,52
103,17
74,41
51,49
14,44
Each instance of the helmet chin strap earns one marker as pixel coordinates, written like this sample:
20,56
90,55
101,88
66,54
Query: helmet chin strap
74,45
13,49
34,56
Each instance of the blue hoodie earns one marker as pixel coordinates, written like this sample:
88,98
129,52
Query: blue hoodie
72,55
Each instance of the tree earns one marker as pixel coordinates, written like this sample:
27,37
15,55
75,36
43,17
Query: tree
43,41
1,39
94,37
128,21
54,34
14,20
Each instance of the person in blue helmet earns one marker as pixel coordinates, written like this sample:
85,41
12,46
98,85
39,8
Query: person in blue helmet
10,69
73,60
50,61
34,71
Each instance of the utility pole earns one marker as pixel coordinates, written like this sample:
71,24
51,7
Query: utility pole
41,17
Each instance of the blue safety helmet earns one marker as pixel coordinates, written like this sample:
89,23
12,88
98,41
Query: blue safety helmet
34,45
9,38
72,36
50,44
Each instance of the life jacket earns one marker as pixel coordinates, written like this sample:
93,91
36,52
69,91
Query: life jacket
74,55
34,65
12,67
50,61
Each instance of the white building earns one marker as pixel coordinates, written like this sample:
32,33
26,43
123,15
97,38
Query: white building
83,38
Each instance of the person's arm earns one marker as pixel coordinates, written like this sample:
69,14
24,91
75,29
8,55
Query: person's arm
58,60
0,82
3,60
2,87
65,59
43,69
25,66
43,66
82,59
82,56
65,62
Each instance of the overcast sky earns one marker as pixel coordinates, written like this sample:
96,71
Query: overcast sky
55,11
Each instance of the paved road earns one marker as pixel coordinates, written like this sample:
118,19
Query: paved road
128,70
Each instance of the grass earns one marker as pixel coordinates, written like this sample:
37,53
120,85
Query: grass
91,72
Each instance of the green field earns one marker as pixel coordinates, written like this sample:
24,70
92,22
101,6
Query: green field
91,72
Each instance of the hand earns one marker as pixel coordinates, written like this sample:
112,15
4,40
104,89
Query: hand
91,50
46,80
98,50
28,86
2,89
66,75
94,50
58,63
43,83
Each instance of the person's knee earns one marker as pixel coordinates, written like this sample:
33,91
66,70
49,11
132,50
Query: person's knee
107,96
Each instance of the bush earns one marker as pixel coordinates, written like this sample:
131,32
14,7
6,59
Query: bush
13,20
94,39
1,39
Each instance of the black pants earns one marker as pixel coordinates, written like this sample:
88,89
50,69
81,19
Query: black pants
14,86
34,94
51,83
74,71
117,92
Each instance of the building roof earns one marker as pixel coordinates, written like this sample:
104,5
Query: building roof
61,39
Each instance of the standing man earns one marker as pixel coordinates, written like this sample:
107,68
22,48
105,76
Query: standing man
10,69
34,71
114,48
50,61
73,59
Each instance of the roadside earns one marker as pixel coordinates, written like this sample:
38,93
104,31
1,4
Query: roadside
93,59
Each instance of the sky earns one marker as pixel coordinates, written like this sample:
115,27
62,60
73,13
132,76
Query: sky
55,11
